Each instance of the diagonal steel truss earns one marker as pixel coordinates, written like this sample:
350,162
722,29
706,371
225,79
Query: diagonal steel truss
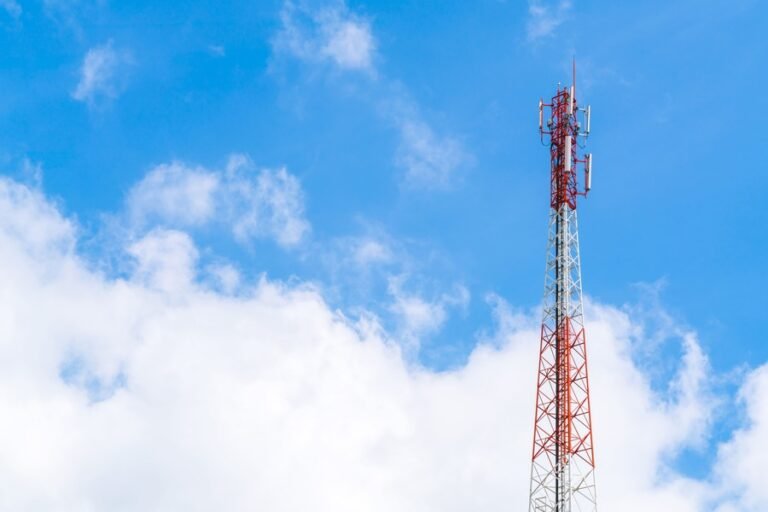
562,472
563,462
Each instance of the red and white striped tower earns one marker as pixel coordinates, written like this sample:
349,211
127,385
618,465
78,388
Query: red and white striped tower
562,470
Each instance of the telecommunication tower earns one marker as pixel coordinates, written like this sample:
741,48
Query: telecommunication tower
563,464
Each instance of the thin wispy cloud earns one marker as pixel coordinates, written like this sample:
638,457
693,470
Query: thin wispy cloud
368,251
328,34
417,316
12,8
101,74
273,206
428,160
350,45
396,277
334,34
69,15
217,50
545,16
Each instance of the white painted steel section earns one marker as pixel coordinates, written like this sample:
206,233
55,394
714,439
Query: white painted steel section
574,480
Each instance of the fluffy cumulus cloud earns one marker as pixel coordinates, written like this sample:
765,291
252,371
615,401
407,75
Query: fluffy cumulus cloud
157,391
175,192
742,460
330,33
254,204
165,260
101,74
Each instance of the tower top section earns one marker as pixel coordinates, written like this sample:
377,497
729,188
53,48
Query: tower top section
565,126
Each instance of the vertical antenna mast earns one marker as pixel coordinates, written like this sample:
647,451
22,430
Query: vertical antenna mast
563,463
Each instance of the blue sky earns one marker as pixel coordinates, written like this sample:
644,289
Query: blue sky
674,87
416,134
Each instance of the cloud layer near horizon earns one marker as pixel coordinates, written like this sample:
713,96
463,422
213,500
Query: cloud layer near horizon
156,392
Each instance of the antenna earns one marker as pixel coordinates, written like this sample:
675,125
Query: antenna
574,74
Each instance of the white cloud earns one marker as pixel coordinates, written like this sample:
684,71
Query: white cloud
226,277
101,74
175,193
544,17
166,260
273,206
268,203
331,33
32,222
155,392
350,44
12,7
742,461
632,423
417,317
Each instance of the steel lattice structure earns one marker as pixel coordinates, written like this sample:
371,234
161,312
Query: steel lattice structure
563,463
